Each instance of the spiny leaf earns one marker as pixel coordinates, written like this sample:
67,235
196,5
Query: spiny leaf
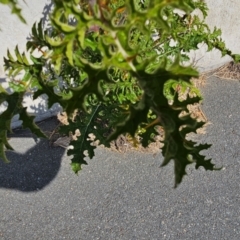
200,161
169,150
86,124
2,151
63,26
69,52
180,169
138,115
149,134
28,122
18,55
13,102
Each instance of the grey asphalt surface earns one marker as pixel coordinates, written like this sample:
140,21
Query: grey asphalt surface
126,195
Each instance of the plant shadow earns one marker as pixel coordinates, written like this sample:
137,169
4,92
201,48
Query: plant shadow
37,167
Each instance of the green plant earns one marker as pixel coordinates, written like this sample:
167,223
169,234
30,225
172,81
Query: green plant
100,58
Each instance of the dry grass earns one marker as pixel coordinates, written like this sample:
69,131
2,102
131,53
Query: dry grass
229,71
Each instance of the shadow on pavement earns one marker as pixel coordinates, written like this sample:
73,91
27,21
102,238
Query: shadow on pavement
34,169
39,165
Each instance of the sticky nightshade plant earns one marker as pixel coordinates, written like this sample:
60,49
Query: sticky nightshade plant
122,66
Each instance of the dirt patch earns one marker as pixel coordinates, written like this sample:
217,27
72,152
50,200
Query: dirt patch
121,144
229,71
124,143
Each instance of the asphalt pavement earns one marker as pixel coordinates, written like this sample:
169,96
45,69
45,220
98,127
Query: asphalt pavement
126,195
